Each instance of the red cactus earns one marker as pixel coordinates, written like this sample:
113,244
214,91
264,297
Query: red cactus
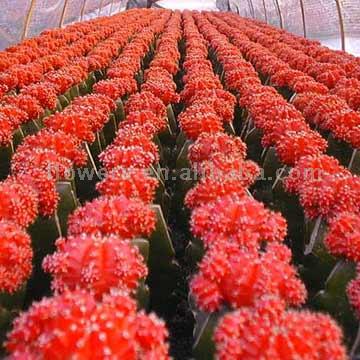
15,257
44,93
209,189
116,88
113,215
95,263
48,161
18,202
132,183
331,195
221,166
146,119
198,119
128,157
145,101
65,145
267,331
15,115
26,103
45,187
244,221
292,146
353,292
239,277
6,130
58,328
312,168
73,124
343,238
207,145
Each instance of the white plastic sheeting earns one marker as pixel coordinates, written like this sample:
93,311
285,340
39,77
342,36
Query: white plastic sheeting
189,4
334,22
27,18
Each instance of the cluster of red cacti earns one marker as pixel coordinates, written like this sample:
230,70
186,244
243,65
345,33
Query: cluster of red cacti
327,95
45,77
234,229
74,324
97,269
97,256
325,188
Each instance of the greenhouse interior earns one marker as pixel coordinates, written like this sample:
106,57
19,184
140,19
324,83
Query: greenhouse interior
180,180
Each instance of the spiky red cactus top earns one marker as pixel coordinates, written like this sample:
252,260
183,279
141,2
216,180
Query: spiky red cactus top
132,183
222,101
70,123
145,100
43,159
221,166
18,202
113,215
198,119
95,263
44,92
238,277
74,325
292,146
353,292
146,119
311,168
268,331
207,145
45,187
15,257
243,220
134,156
65,145
331,195
209,189
343,238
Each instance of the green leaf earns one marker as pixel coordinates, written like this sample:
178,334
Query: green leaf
340,150
139,77
43,234
6,152
120,111
10,306
18,137
83,88
109,130
74,92
333,298
99,75
64,102
87,177
271,164
205,324
13,301
144,247
354,164
314,235
194,251
30,127
143,296
182,161
253,142
67,204
161,248
180,140
90,81
172,119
